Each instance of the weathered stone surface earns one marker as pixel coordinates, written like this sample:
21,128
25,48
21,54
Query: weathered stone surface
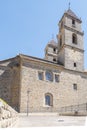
8,116
9,82
21,87
63,92
69,52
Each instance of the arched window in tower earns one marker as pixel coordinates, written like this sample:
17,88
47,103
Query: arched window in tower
74,38
48,99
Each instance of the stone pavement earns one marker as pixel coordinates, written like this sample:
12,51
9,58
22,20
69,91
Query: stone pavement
50,120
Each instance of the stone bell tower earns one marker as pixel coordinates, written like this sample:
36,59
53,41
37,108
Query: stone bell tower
70,42
51,51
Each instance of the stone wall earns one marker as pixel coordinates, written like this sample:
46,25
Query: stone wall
68,21
72,56
68,39
20,75
69,52
61,57
8,116
62,91
10,82
50,54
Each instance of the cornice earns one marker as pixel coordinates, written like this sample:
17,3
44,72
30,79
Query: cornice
71,47
48,63
74,30
52,54
69,16
77,19
75,48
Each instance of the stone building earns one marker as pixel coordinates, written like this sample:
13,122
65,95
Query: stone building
44,85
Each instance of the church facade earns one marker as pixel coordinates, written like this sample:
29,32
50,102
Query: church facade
31,84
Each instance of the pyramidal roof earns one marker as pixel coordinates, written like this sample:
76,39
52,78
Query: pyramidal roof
72,14
52,42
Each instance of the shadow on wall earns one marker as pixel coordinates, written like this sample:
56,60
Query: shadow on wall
9,82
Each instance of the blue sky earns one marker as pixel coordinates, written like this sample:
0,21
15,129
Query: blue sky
26,26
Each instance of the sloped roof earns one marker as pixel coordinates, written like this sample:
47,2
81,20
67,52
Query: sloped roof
72,14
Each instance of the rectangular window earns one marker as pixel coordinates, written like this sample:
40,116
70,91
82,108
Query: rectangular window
75,86
54,49
73,22
40,75
56,78
49,76
75,65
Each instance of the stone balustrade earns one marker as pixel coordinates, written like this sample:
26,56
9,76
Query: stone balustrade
8,116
